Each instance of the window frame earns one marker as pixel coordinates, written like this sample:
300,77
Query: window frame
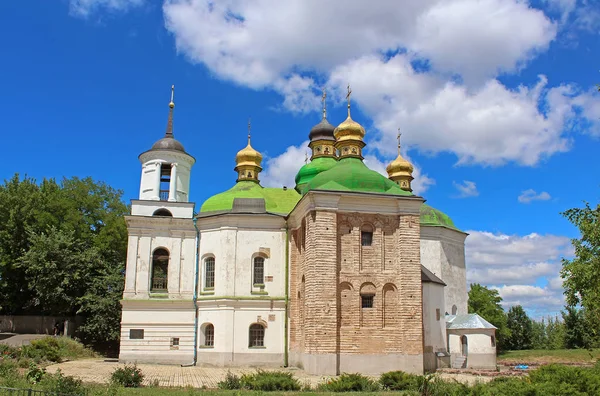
254,271
209,336
364,298
207,260
156,261
258,337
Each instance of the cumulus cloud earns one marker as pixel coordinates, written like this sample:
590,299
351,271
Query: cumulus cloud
281,170
466,189
84,8
530,195
524,269
309,44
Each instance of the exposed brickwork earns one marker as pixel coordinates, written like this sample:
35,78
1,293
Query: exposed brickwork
327,251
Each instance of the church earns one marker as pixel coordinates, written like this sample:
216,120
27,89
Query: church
347,271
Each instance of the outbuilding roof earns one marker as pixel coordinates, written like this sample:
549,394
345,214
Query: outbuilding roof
469,321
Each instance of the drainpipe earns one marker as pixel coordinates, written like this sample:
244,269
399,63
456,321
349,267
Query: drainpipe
196,273
287,294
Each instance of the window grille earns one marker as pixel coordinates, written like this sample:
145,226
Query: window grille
367,301
257,336
209,273
209,335
259,271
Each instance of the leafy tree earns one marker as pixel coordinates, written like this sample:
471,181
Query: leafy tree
555,332
62,251
577,333
487,303
539,339
521,329
582,274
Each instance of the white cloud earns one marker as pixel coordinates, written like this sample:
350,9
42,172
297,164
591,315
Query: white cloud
466,189
519,267
530,195
281,170
84,8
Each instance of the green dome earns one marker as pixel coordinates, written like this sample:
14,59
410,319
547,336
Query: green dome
313,168
351,174
433,217
277,200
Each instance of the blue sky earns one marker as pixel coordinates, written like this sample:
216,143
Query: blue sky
495,99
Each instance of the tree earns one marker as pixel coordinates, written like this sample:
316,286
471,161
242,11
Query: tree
521,329
582,274
487,303
62,251
577,332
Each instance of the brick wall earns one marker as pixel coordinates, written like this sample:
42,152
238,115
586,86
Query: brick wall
327,251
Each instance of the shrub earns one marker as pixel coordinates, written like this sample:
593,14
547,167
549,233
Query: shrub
8,372
350,383
584,380
270,381
399,380
7,351
59,383
231,382
127,376
35,373
46,348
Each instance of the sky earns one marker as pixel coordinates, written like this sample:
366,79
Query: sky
496,100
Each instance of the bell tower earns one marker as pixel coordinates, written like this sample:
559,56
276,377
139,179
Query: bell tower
165,179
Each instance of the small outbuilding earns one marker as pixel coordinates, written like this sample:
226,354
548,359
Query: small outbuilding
471,341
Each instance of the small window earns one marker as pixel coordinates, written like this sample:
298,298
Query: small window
367,301
162,213
136,334
257,336
209,335
209,273
454,310
259,271
366,235
493,341
437,314
175,342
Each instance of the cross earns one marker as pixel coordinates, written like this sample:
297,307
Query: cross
324,103
172,92
399,135
249,129
348,95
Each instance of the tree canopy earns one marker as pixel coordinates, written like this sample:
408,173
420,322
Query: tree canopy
62,251
521,329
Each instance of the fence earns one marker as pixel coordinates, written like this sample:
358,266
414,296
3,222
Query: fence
29,392
32,324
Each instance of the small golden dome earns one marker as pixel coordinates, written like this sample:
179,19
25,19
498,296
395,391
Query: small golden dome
349,130
399,166
248,157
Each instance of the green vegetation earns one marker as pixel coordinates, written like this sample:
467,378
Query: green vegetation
541,356
350,383
487,304
44,350
62,252
261,381
128,377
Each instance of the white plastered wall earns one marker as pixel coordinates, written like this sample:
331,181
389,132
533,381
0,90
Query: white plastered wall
434,324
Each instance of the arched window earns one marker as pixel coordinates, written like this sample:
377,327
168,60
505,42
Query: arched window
493,341
454,310
257,336
160,270
366,235
209,273
207,335
162,213
258,271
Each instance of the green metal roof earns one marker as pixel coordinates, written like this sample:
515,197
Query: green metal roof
351,174
433,217
313,168
277,200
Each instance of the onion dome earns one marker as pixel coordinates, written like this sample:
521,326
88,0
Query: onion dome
312,169
400,170
349,136
248,161
168,142
432,217
322,131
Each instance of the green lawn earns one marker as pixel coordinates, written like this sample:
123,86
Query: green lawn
549,356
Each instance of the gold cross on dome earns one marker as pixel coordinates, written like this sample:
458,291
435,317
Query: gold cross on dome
398,137
324,103
249,129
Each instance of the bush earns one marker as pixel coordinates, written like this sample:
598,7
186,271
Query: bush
35,373
350,383
231,382
399,380
8,372
270,381
576,379
59,383
46,348
7,351
127,376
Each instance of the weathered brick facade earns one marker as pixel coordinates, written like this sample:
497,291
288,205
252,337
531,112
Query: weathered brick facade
330,270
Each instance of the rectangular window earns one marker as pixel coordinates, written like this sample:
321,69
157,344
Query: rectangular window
259,271
175,342
136,334
437,314
165,181
367,301
209,272
366,238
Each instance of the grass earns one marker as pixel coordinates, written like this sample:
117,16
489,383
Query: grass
540,356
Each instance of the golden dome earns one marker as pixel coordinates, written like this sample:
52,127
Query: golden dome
349,130
399,167
248,156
